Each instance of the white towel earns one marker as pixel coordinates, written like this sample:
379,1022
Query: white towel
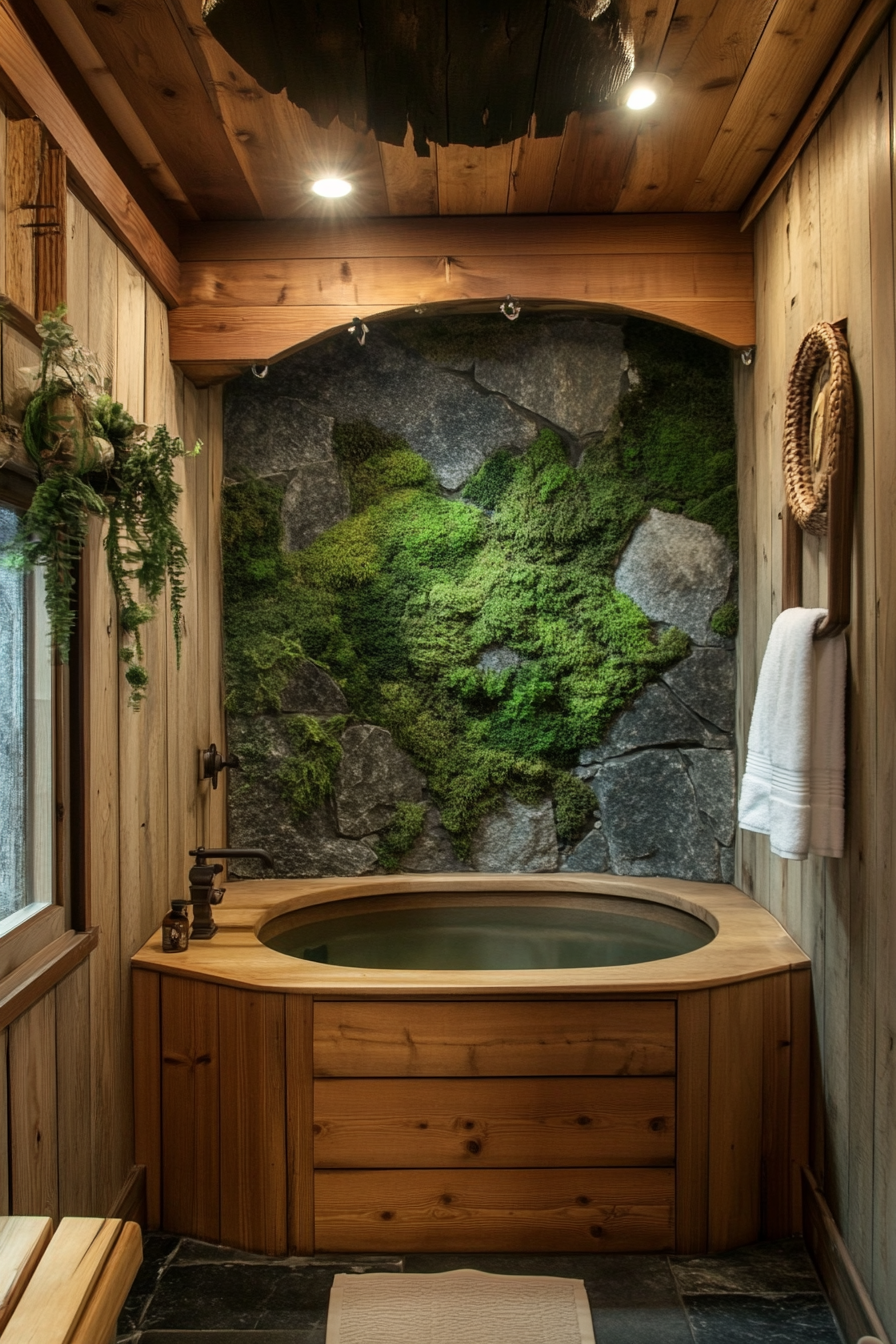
793,785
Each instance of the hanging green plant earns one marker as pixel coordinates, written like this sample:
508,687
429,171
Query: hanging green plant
92,457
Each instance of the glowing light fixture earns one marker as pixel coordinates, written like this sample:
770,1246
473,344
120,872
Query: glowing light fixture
331,187
642,91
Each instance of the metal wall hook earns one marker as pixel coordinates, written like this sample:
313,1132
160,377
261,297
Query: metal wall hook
263,373
211,763
747,355
510,308
359,330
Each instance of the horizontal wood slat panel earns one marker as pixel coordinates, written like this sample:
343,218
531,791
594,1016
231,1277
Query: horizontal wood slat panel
607,278
37,976
488,1122
252,335
493,1039
559,235
584,1211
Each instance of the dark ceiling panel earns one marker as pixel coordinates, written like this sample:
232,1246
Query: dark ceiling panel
404,43
462,72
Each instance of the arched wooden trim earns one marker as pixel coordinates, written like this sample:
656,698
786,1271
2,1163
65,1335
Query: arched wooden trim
255,293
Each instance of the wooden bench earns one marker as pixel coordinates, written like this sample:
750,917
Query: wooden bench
68,1288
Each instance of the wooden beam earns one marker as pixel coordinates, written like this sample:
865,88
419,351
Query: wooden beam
858,40
253,293
33,84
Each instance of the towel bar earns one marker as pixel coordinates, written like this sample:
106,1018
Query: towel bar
810,357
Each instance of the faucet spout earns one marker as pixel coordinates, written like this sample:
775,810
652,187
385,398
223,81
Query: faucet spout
203,892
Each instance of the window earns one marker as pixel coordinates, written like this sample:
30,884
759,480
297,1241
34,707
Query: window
26,741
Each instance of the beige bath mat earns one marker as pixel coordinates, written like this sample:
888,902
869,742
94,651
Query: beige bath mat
462,1307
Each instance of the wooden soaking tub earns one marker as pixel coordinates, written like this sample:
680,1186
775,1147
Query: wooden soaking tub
288,1106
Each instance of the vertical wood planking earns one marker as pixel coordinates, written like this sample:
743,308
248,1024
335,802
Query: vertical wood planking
190,1107
4,1123
253,1120
73,1092
692,1136
77,277
800,1057
777,1049
214,596
147,1048
300,1122
735,1092
34,1177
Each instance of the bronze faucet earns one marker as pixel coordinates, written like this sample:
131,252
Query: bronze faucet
203,892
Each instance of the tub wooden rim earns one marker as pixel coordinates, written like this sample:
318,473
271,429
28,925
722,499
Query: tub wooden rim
749,942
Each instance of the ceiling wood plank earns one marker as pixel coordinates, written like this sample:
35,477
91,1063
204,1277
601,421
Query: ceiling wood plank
410,179
247,336
143,47
284,240
532,173
105,88
593,161
650,21
34,86
795,47
705,56
858,41
473,181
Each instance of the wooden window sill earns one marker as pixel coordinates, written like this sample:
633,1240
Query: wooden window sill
42,972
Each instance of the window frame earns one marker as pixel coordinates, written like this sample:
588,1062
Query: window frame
35,926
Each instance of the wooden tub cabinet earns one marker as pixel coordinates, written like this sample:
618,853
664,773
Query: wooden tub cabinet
324,1110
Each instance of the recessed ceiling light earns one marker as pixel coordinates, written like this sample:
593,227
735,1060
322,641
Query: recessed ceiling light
642,91
331,187
641,96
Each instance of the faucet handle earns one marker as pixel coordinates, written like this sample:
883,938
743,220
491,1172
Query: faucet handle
211,763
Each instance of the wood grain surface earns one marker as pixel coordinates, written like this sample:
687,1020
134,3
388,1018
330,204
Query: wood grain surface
450,1039
582,1211
494,1122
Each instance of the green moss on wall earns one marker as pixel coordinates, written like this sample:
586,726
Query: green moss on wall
305,777
400,600
725,620
399,836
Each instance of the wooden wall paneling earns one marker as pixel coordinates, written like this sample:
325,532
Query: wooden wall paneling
774,88
213,595
77,276
147,1046
49,241
843,1285
300,1122
410,180
253,1114
692,1135
705,60
882,1276
747,470
73,1092
34,1176
800,1087
102,327
191,1108
24,153
473,180
735,1137
4,1123
3,151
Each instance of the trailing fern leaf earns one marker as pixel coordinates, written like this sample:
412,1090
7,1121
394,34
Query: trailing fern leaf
92,457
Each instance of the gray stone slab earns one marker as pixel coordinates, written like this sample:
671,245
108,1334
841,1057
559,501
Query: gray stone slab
678,572
706,681
712,775
313,691
259,817
518,838
443,416
570,373
433,851
656,718
591,855
651,819
315,500
372,777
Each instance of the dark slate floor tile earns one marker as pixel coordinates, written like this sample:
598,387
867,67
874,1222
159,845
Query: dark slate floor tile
225,1337
158,1249
610,1280
766,1268
243,1296
797,1318
640,1325
192,1252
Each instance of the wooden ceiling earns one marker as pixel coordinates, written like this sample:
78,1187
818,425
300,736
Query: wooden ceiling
216,145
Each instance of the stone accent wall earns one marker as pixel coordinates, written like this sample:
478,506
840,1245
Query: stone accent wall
663,775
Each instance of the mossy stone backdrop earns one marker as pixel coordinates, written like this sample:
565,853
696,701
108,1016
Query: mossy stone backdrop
480,601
